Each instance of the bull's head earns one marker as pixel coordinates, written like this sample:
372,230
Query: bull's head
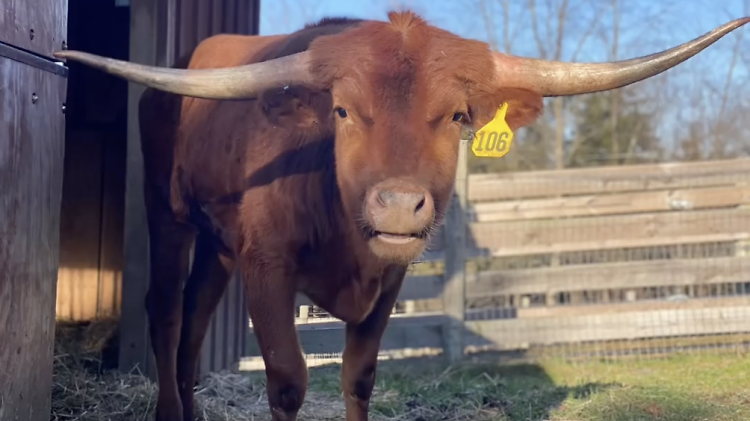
401,93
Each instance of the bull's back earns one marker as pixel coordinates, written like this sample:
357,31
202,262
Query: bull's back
164,116
168,122
221,144
204,151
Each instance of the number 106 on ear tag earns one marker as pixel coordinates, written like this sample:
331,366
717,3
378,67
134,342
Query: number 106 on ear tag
494,139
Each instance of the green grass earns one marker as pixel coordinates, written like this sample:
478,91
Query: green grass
679,388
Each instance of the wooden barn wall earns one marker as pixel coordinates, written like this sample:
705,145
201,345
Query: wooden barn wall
160,33
38,26
32,122
93,207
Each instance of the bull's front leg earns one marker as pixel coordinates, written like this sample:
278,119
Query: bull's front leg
362,346
270,294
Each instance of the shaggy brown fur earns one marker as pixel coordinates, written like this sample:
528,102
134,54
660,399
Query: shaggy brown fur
306,190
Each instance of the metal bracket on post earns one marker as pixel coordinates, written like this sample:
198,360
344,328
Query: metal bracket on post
48,65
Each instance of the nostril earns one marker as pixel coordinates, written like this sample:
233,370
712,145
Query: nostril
375,200
420,205
380,199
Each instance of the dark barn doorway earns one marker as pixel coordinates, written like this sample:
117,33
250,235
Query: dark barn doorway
91,225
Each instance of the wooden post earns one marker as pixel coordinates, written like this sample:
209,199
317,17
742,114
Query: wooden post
135,347
154,40
304,313
410,306
454,294
32,123
226,339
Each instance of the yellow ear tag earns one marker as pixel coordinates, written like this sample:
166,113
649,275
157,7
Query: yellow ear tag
494,139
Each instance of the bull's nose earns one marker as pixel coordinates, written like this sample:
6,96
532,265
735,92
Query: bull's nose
397,209
405,200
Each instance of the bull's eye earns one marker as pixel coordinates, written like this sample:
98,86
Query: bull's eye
458,117
341,112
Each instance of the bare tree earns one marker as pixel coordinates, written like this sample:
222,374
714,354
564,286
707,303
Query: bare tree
691,106
718,139
615,94
551,47
711,123
491,29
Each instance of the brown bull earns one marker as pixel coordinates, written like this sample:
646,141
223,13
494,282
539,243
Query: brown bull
326,178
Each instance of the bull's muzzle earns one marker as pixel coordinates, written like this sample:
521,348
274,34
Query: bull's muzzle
399,211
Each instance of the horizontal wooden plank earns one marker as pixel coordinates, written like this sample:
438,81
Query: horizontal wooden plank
413,288
715,317
421,288
672,175
401,333
629,307
610,204
569,324
619,275
674,168
585,277
514,238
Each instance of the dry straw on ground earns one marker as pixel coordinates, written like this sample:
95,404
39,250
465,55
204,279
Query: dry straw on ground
86,389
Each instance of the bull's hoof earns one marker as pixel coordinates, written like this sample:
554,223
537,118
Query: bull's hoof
171,413
278,414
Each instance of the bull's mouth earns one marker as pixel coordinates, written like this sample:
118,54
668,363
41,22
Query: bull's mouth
395,247
396,238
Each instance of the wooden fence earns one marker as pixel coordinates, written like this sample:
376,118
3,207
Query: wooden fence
606,260
608,255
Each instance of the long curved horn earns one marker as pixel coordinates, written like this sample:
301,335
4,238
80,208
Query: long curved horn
554,78
241,82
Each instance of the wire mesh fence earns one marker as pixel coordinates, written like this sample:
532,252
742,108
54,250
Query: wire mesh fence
607,262
617,261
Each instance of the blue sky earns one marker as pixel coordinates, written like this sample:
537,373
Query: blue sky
682,19
646,26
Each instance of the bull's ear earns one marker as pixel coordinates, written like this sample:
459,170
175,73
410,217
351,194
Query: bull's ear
524,107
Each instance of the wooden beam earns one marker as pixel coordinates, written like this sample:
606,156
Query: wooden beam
620,275
135,347
584,277
672,175
414,288
32,124
402,333
610,204
454,295
717,316
225,341
512,238
552,313
160,31
547,326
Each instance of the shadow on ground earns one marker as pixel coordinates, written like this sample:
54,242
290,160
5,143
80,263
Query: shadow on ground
427,388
